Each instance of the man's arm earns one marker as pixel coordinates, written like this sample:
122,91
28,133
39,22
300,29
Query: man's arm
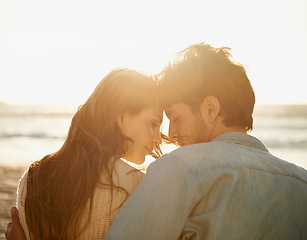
14,230
160,206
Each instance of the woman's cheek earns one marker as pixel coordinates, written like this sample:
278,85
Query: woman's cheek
151,131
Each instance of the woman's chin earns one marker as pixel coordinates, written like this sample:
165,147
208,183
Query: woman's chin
139,162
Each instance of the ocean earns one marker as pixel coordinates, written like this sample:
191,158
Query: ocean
29,132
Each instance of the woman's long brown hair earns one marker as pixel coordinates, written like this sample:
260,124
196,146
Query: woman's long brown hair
60,185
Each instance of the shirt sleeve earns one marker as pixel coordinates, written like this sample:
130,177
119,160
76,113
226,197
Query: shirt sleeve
20,203
160,206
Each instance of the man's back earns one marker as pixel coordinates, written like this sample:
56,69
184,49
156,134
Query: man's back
230,188
248,193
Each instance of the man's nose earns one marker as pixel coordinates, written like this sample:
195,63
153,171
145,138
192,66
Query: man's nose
172,132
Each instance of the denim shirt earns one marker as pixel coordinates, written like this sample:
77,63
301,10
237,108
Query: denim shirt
229,188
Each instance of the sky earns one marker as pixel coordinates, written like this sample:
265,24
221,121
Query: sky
58,51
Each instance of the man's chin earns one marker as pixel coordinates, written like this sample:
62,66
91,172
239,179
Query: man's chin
183,143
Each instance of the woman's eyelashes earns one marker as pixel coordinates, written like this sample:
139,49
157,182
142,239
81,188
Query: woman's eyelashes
155,124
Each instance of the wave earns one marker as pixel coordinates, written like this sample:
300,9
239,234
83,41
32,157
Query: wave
48,111
31,135
33,115
275,143
284,110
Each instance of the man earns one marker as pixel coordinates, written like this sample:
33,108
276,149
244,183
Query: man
224,183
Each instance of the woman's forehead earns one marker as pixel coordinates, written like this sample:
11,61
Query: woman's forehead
156,112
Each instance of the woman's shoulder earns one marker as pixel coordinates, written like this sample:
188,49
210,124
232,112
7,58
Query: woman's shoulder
126,168
22,182
126,176
20,202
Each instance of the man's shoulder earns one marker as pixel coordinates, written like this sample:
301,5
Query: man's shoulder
221,154
196,154
202,151
206,146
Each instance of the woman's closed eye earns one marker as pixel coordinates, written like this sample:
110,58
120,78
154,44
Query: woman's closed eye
155,124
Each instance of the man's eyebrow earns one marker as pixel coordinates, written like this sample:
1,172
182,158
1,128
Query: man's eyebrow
169,113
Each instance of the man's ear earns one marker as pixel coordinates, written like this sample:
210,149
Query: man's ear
210,109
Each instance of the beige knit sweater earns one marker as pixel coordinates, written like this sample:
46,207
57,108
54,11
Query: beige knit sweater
125,176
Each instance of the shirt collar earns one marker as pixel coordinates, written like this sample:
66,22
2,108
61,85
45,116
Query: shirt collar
242,139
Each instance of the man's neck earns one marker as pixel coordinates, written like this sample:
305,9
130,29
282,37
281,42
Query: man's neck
225,129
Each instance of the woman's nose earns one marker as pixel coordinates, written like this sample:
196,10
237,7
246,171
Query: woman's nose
157,138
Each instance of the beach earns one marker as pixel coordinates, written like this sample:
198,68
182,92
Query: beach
9,177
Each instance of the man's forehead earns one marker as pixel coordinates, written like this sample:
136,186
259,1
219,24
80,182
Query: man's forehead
173,109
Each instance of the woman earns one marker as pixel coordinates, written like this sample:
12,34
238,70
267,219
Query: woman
76,192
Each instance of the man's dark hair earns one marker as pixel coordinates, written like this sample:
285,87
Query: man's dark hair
202,70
